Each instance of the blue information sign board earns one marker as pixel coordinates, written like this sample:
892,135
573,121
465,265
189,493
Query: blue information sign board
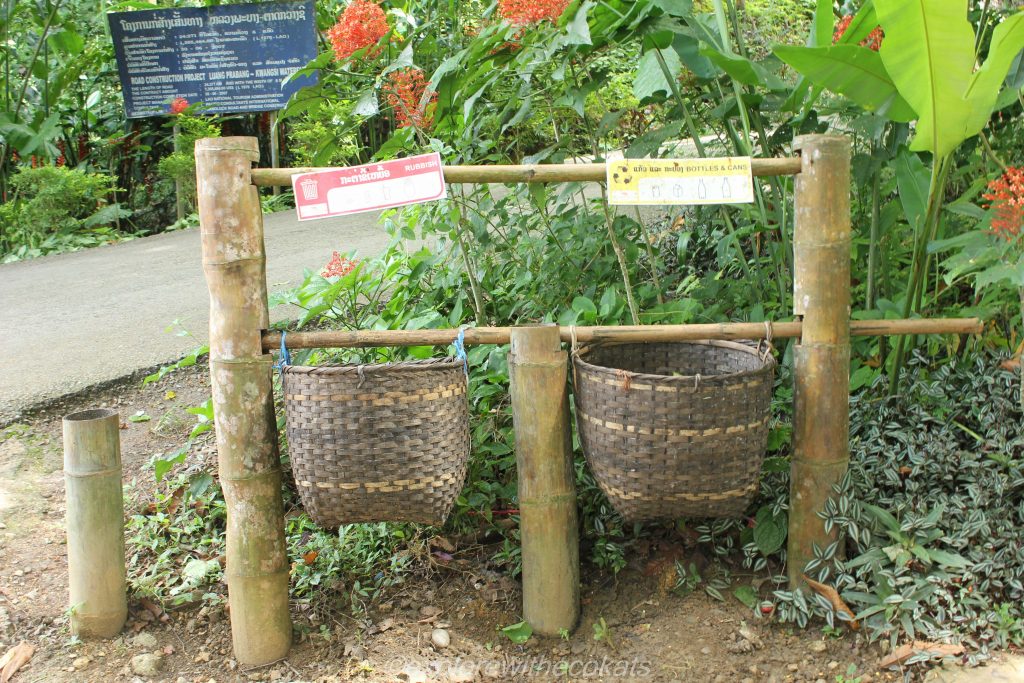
230,58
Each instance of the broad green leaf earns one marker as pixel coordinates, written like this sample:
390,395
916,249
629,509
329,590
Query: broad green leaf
823,25
367,104
578,33
1015,76
947,558
742,69
883,516
649,80
854,72
1012,273
983,90
518,633
746,595
769,530
912,179
862,24
928,52
677,8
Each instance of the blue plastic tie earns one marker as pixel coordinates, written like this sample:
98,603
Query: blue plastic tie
460,349
285,358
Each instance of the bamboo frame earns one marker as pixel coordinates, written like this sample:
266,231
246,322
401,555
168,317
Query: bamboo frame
535,173
234,262
548,522
337,339
821,361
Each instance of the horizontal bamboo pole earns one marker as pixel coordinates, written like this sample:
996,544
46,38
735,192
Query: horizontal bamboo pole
533,173
332,339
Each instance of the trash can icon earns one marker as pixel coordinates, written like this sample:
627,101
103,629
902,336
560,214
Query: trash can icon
310,188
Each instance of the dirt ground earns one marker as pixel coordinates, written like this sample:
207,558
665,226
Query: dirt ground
652,634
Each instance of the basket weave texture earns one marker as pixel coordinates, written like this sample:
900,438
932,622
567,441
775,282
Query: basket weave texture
674,429
373,443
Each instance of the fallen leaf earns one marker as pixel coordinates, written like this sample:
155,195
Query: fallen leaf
907,650
151,607
169,395
832,595
169,650
14,659
442,543
1011,364
310,557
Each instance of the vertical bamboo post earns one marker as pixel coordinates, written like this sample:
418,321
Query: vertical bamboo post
275,148
821,294
95,523
547,493
231,230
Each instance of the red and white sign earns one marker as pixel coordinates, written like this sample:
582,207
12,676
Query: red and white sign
371,187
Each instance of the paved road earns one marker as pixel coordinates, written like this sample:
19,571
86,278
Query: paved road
74,320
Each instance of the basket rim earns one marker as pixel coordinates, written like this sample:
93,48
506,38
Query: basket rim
768,362
421,365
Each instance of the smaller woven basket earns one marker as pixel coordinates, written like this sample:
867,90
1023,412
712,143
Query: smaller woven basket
674,429
371,443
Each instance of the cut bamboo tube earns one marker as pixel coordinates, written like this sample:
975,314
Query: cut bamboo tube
536,173
547,494
821,361
337,339
95,523
231,231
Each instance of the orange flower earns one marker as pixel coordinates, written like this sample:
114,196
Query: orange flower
178,105
362,24
523,12
872,42
408,87
339,266
1006,196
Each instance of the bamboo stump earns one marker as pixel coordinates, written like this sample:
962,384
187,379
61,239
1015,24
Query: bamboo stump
231,227
821,294
547,493
95,523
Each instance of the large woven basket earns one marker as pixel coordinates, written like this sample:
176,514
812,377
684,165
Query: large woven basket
375,443
674,429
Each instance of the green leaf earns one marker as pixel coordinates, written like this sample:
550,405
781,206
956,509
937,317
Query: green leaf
518,633
852,71
367,104
578,30
823,25
883,516
139,417
584,306
912,179
929,53
983,90
649,80
769,531
1014,274
746,595
743,70
947,559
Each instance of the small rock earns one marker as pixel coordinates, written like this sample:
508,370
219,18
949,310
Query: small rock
833,665
202,657
144,641
793,667
705,651
461,673
413,675
819,646
821,680
81,662
429,611
440,638
147,664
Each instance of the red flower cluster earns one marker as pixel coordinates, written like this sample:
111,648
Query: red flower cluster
1006,195
872,42
407,89
524,12
339,266
178,105
362,24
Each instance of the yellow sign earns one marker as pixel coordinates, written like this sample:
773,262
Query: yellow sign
724,180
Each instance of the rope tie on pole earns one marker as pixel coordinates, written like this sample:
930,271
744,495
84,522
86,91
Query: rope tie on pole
767,341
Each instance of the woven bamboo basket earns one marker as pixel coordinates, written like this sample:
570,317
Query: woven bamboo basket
674,429
373,443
